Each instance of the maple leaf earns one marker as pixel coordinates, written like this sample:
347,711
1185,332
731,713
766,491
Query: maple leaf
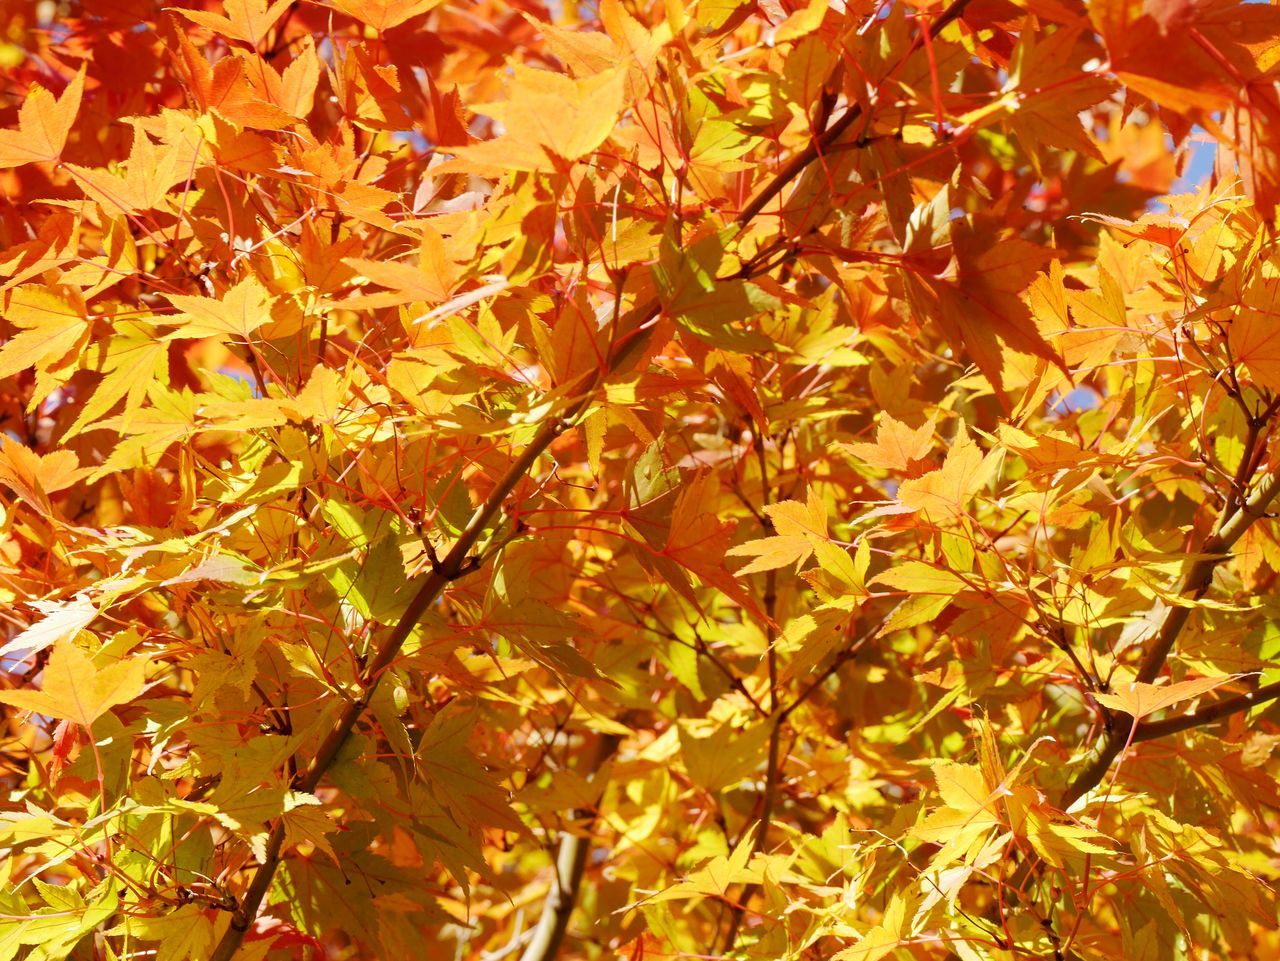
897,447
1254,336
224,88
917,577
35,476
293,90
430,281
979,306
514,321
150,172
53,323
130,362
240,311
384,14
184,933
719,758
882,939
1140,699
697,541
714,878
61,620
460,781
170,417
548,119
1052,118
941,496
44,124
799,528
247,20
73,689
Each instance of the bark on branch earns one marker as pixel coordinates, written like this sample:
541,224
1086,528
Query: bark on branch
1195,583
571,862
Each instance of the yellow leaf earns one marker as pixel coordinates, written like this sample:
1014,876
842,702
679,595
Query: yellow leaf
716,876
963,786
384,14
35,476
970,810
804,21
53,325
917,577
724,756
247,20
698,538
72,689
1255,333
430,281
243,309
43,125
942,496
150,172
883,938
62,619
896,445
800,527
321,400
793,519
550,117
1057,843
1141,699
130,362
185,932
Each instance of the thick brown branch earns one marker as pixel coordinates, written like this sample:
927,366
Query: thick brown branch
1092,775
1198,578
571,862
1194,585
1208,714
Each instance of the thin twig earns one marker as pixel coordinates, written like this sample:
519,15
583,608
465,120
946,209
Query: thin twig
824,141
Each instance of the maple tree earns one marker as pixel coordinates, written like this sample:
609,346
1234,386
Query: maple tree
646,480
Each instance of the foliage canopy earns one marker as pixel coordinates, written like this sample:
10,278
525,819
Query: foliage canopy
780,480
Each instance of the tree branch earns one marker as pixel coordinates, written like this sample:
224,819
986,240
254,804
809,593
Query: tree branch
825,140
455,563
571,862
1207,715
1229,530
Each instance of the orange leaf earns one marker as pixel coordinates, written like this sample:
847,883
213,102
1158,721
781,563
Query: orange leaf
798,528
43,125
550,116
1255,332
384,14
72,689
243,309
1141,699
247,20
896,445
942,496
53,323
